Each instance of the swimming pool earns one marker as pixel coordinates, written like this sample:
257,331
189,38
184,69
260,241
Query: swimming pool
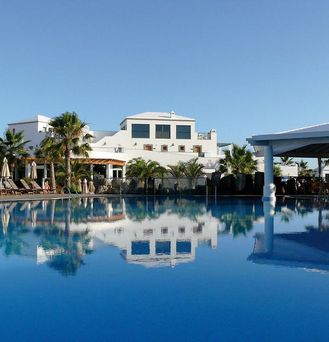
164,269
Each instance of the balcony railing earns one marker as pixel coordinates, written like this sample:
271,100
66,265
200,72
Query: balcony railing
204,136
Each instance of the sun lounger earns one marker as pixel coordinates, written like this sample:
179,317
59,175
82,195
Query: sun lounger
28,188
3,190
10,188
36,187
15,187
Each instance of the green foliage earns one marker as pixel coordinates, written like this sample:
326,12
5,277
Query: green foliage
140,169
70,137
277,171
304,170
239,160
78,171
12,146
287,161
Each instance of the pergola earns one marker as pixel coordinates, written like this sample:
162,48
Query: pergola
108,162
308,142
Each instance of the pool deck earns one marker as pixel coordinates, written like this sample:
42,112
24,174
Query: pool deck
41,197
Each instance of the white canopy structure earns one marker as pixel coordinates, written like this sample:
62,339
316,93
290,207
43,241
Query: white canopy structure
308,142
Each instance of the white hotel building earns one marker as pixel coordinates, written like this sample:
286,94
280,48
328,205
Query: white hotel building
164,137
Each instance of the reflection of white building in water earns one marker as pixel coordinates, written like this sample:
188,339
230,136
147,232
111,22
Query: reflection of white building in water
165,239
160,241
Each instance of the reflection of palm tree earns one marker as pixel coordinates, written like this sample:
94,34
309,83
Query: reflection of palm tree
236,223
69,248
188,208
13,242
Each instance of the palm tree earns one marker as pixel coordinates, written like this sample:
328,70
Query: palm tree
71,138
143,170
78,171
12,146
193,170
239,160
177,171
304,170
287,161
49,152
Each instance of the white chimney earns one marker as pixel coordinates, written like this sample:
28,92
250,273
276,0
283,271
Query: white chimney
172,114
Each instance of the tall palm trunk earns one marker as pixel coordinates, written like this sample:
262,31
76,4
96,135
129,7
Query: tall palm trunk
52,177
68,167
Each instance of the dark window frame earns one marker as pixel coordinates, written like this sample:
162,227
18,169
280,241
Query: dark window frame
160,131
183,132
142,133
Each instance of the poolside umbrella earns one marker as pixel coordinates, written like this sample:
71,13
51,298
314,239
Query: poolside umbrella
5,220
85,187
34,174
5,173
91,187
79,186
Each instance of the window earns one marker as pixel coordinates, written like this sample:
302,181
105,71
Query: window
164,148
162,131
164,230
181,148
148,232
181,230
162,247
148,147
183,132
183,247
140,247
140,130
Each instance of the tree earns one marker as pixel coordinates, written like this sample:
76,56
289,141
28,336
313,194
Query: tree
177,171
49,152
304,170
277,171
78,171
143,170
287,161
71,139
193,170
238,160
12,146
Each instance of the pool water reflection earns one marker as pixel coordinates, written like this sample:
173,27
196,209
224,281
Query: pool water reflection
164,269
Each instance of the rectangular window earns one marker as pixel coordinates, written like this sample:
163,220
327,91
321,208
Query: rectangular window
183,247
162,131
148,147
183,132
140,130
164,148
181,148
162,247
140,247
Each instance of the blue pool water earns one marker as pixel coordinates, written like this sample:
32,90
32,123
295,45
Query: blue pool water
164,269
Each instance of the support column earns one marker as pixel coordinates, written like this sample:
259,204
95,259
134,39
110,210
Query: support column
27,170
45,173
319,167
109,172
91,171
124,172
269,187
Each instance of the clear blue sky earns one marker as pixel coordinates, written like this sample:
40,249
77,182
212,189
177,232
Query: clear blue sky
240,66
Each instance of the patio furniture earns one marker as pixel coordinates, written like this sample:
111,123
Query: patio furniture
10,188
27,187
36,187
15,187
